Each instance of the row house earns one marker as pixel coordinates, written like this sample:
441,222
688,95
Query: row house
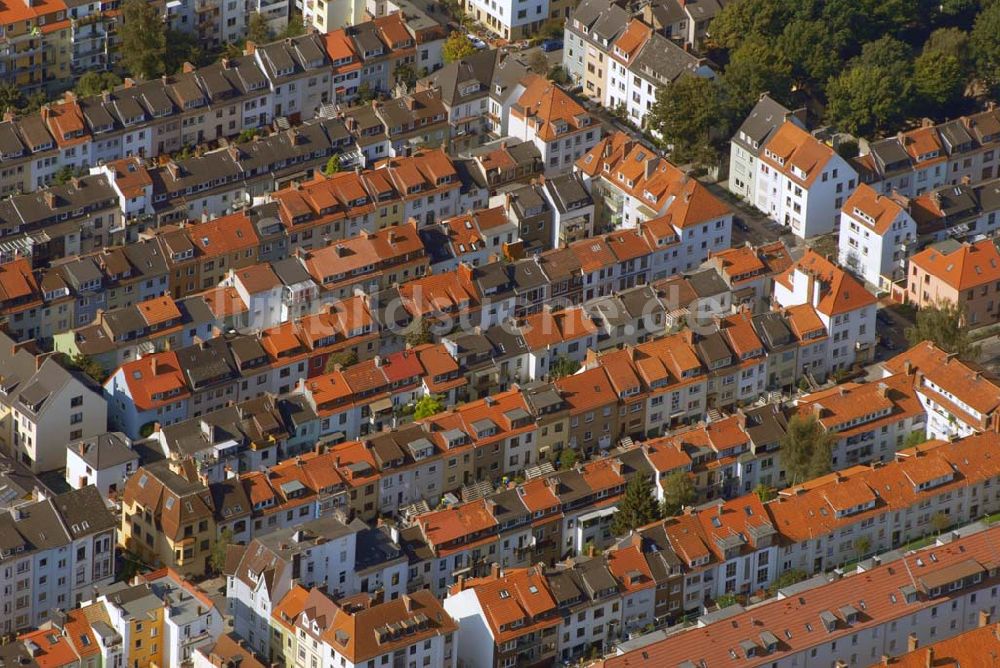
561,130
61,221
966,276
845,308
685,23
474,238
464,89
58,548
641,63
259,574
931,156
746,145
801,182
370,262
877,236
364,630
958,397
588,35
750,271
635,185
171,517
868,421
121,335
864,511
936,593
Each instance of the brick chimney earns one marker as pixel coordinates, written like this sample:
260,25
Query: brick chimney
912,642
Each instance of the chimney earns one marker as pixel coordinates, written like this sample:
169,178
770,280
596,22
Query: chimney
408,602
907,367
187,68
9,116
883,390
984,618
912,642
50,199
249,47
966,180
45,112
929,660
129,82
649,168
495,570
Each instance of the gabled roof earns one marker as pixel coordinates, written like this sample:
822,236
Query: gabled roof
839,291
964,268
796,154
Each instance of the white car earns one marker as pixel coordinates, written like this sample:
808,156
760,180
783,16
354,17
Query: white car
476,42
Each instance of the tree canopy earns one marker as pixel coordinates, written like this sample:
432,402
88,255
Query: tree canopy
943,325
684,116
678,491
95,82
143,39
428,405
638,506
563,366
805,449
456,47
258,31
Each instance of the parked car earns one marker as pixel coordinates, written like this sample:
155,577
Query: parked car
552,45
476,42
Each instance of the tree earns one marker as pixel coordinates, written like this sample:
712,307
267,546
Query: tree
764,492
420,333
143,39
953,42
559,75
182,47
748,19
678,491
295,26
457,47
34,102
537,62
984,44
428,405
11,97
63,175
567,459
940,521
786,579
552,29
217,557
563,366
813,50
726,600
258,31
342,359
862,545
366,93
939,82
86,365
638,506
865,99
684,115
755,67
406,75
805,449
332,165
95,82
942,325
915,438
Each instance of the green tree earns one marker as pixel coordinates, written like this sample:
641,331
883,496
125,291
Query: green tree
984,44
559,75
11,97
915,438
34,102
419,333
295,26
678,491
952,42
552,29
765,492
406,75
456,47
805,449
756,67
813,51
182,48
943,326
684,115
638,506
567,458
939,83
258,31
332,165
865,99
217,557
940,521
63,175
563,366
862,546
428,405
342,359
143,39
786,579
726,600
537,62
748,19
95,82
87,366
366,93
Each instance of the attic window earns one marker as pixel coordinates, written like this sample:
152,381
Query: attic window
504,593
204,241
